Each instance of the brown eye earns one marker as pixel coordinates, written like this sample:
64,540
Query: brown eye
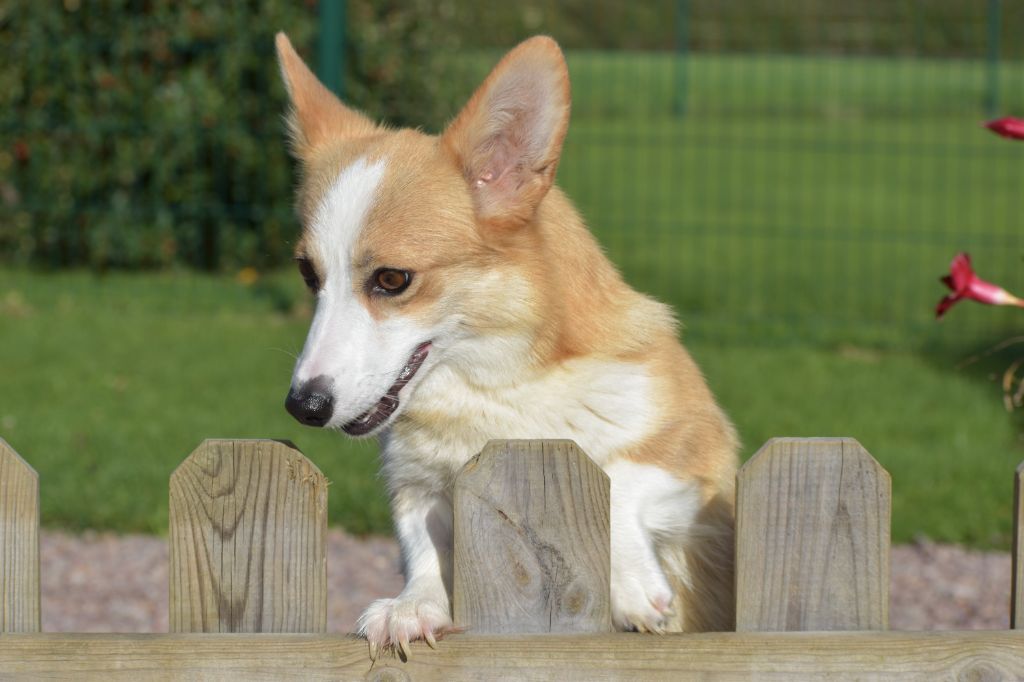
390,281
308,273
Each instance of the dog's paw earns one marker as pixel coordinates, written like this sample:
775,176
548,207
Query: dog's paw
393,623
644,606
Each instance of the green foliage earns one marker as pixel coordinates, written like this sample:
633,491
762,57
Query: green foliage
940,28
922,28
144,133
400,57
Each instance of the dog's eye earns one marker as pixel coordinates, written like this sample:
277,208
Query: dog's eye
391,281
308,273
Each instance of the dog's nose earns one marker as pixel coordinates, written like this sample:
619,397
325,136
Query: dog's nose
311,403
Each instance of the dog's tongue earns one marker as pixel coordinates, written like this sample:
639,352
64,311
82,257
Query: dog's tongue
386,406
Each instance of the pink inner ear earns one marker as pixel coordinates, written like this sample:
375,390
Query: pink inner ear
508,138
504,158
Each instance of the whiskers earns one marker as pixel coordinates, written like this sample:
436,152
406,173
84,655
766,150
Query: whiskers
292,354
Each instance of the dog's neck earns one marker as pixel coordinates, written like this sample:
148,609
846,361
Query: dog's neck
584,298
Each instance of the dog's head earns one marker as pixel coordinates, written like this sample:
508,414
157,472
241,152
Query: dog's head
418,249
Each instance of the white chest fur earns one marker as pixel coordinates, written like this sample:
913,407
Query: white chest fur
604,406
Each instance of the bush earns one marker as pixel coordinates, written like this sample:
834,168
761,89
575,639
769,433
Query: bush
144,134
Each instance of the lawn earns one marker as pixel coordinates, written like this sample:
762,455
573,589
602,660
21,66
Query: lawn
797,213
109,382
802,199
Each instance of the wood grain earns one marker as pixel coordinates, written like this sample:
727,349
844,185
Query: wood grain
532,540
19,543
1017,596
248,520
882,656
812,537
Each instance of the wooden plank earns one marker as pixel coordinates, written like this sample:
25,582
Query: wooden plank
883,656
248,524
812,537
1017,597
531,540
19,543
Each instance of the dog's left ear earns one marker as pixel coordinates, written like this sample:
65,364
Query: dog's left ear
507,140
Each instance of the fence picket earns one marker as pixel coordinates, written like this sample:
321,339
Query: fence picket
532,540
1017,597
812,545
19,543
248,523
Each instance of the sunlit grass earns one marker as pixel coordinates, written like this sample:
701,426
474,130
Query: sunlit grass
108,383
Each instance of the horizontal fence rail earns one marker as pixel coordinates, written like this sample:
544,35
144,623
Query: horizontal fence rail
883,656
531,578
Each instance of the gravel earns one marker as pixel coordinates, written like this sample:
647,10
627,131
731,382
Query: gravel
118,583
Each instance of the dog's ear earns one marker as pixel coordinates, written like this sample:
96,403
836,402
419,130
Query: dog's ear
316,115
507,140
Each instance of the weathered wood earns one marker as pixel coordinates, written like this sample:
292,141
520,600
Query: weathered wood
248,520
1017,597
531,540
883,656
812,538
19,543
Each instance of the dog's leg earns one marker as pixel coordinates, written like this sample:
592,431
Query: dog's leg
700,570
423,522
640,592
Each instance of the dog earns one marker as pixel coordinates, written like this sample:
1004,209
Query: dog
460,298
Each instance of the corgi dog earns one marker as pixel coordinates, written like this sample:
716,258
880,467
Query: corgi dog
460,298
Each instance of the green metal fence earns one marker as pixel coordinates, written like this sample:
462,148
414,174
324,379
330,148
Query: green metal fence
777,170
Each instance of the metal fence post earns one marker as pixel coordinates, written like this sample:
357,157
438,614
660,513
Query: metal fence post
994,28
679,64
331,45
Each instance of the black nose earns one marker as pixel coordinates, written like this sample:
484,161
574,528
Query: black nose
311,403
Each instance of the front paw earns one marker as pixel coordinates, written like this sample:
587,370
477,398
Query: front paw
393,623
642,605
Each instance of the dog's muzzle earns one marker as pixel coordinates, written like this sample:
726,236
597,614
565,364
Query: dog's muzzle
311,403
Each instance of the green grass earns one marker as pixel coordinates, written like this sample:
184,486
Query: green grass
110,382
797,215
802,199
940,432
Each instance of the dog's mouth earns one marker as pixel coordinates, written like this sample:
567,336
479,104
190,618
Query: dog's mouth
386,406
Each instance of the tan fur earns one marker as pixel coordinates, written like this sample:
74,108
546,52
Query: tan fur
454,211
317,117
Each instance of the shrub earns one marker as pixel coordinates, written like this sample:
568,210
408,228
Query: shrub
143,134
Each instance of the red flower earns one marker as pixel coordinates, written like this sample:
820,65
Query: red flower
21,152
1012,128
965,284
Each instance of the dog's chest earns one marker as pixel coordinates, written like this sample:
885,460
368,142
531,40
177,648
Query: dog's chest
604,406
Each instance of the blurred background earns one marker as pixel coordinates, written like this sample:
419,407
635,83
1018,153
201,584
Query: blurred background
793,176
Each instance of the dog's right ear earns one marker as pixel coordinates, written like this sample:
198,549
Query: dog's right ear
316,115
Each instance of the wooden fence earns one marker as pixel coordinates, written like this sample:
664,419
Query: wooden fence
531,575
